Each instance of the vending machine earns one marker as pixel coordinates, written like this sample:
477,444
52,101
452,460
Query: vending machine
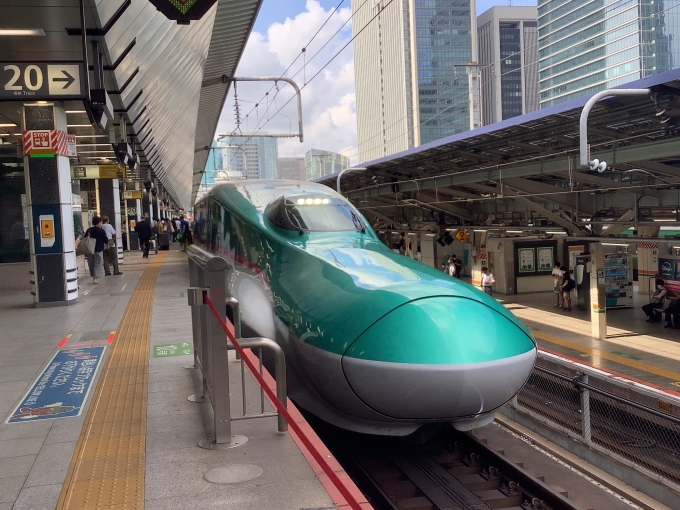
618,275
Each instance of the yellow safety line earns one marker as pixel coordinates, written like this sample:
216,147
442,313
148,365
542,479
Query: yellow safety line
107,468
611,357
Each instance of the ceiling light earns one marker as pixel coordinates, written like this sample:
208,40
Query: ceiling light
614,244
78,125
660,112
430,235
555,233
22,31
665,220
92,136
76,111
664,119
10,124
513,231
479,230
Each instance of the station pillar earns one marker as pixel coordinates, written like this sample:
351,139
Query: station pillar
598,296
109,199
648,259
50,213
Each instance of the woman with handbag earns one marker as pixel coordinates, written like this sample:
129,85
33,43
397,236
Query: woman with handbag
96,260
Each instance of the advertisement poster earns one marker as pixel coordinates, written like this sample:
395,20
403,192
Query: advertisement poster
545,258
669,272
526,260
575,251
61,389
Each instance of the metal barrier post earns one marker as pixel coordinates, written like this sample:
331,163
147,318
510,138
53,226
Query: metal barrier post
195,314
585,409
195,298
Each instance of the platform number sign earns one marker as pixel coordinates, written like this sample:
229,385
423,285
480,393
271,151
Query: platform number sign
183,11
41,80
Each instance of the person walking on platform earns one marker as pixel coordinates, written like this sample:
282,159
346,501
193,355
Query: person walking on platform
111,251
451,268
186,233
567,286
557,275
657,300
96,260
459,266
143,229
175,223
487,280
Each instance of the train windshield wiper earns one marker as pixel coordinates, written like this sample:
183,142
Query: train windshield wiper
358,223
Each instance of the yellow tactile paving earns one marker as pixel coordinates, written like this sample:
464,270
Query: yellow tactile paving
107,468
611,357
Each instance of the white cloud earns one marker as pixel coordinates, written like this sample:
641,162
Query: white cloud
328,105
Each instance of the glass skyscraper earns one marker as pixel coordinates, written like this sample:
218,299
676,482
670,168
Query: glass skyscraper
588,46
253,154
410,60
508,57
319,163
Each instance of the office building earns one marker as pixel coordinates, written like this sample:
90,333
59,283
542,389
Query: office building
292,168
508,56
253,154
586,47
410,68
319,163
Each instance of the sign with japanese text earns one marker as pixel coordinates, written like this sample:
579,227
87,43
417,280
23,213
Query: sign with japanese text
41,80
178,349
62,388
71,147
527,260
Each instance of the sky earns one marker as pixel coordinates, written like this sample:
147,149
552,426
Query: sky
282,29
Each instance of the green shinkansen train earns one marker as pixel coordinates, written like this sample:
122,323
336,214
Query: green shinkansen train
375,342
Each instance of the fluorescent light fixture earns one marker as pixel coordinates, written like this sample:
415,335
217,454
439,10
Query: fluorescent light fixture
92,136
676,247
395,232
76,111
430,235
556,233
22,31
665,220
10,124
514,231
78,125
614,244
479,230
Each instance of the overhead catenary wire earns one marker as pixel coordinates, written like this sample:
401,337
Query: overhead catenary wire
326,64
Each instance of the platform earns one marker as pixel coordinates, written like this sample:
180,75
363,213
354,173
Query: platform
134,445
640,350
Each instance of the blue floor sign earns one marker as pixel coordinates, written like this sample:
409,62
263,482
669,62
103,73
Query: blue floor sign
60,391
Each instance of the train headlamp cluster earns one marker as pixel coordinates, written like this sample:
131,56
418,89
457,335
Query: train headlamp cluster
313,201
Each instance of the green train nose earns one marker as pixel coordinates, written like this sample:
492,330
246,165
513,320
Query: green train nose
439,357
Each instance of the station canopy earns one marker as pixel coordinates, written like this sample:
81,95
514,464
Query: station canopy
154,71
534,158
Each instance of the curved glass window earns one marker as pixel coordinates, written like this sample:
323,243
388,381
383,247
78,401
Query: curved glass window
314,213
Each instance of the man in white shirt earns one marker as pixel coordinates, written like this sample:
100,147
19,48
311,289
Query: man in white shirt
487,280
110,252
557,275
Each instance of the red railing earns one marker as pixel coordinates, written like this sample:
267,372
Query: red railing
332,475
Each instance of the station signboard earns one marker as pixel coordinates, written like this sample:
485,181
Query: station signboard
21,81
98,172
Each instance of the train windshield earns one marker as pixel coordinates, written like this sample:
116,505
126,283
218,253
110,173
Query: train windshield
315,213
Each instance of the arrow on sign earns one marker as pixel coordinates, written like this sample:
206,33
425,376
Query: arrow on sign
68,79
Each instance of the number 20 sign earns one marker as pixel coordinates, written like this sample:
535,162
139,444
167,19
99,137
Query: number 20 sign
42,80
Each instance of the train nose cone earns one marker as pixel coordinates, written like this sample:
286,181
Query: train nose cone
440,358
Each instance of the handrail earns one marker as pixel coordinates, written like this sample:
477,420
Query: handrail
282,410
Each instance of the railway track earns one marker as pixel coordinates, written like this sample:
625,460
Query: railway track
450,471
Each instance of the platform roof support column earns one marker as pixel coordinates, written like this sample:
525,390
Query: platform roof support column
50,214
109,196
598,298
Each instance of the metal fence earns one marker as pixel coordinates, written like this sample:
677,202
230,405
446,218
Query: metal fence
207,277
636,424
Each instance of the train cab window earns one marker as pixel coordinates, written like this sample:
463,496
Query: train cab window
313,213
